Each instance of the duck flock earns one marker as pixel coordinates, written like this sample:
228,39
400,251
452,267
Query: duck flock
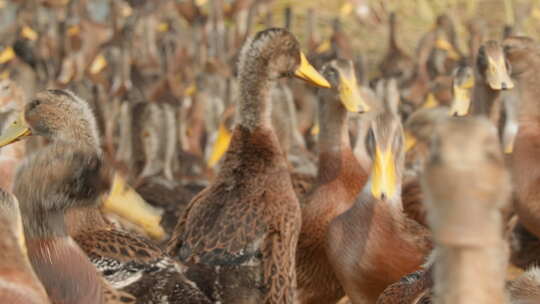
161,152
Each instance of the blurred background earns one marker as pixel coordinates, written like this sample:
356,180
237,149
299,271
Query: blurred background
182,54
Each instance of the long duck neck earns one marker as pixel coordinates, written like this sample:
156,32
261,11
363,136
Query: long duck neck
334,144
470,275
529,88
254,107
471,256
486,100
392,43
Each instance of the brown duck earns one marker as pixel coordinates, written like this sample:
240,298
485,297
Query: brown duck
246,223
71,177
18,281
374,243
339,180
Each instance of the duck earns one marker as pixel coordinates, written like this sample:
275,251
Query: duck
373,243
493,76
396,63
20,284
246,223
11,99
74,181
340,178
462,89
523,56
467,235
445,53
461,149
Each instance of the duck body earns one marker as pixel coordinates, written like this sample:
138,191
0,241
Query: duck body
524,57
329,199
133,265
256,181
389,244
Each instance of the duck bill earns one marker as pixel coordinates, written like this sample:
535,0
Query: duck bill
410,141
220,145
308,73
15,132
6,55
350,96
431,102
315,129
444,45
191,90
383,175
125,202
497,75
461,102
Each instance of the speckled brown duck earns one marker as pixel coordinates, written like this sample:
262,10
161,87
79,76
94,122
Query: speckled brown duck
374,243
18,281
339,180
246,223
72,179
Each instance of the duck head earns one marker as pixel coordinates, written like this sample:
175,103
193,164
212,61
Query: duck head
58,115
493,67
278,51
462,86
384,143
342,77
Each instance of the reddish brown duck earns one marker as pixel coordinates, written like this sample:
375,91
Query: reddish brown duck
374,243
339,180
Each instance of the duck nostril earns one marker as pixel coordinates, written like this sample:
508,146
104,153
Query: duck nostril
504,86
383,196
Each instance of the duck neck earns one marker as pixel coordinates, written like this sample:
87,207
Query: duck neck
529,88
392,32
44,224
485,99
254,107
334,143
79,138
470,274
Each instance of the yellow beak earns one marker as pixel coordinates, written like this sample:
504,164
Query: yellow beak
350,95
6,55
15,132
508,147
315,129
383,175
431,102
190,90
497,75
410,141
308,73
128,204
461,102
444,45
220,145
